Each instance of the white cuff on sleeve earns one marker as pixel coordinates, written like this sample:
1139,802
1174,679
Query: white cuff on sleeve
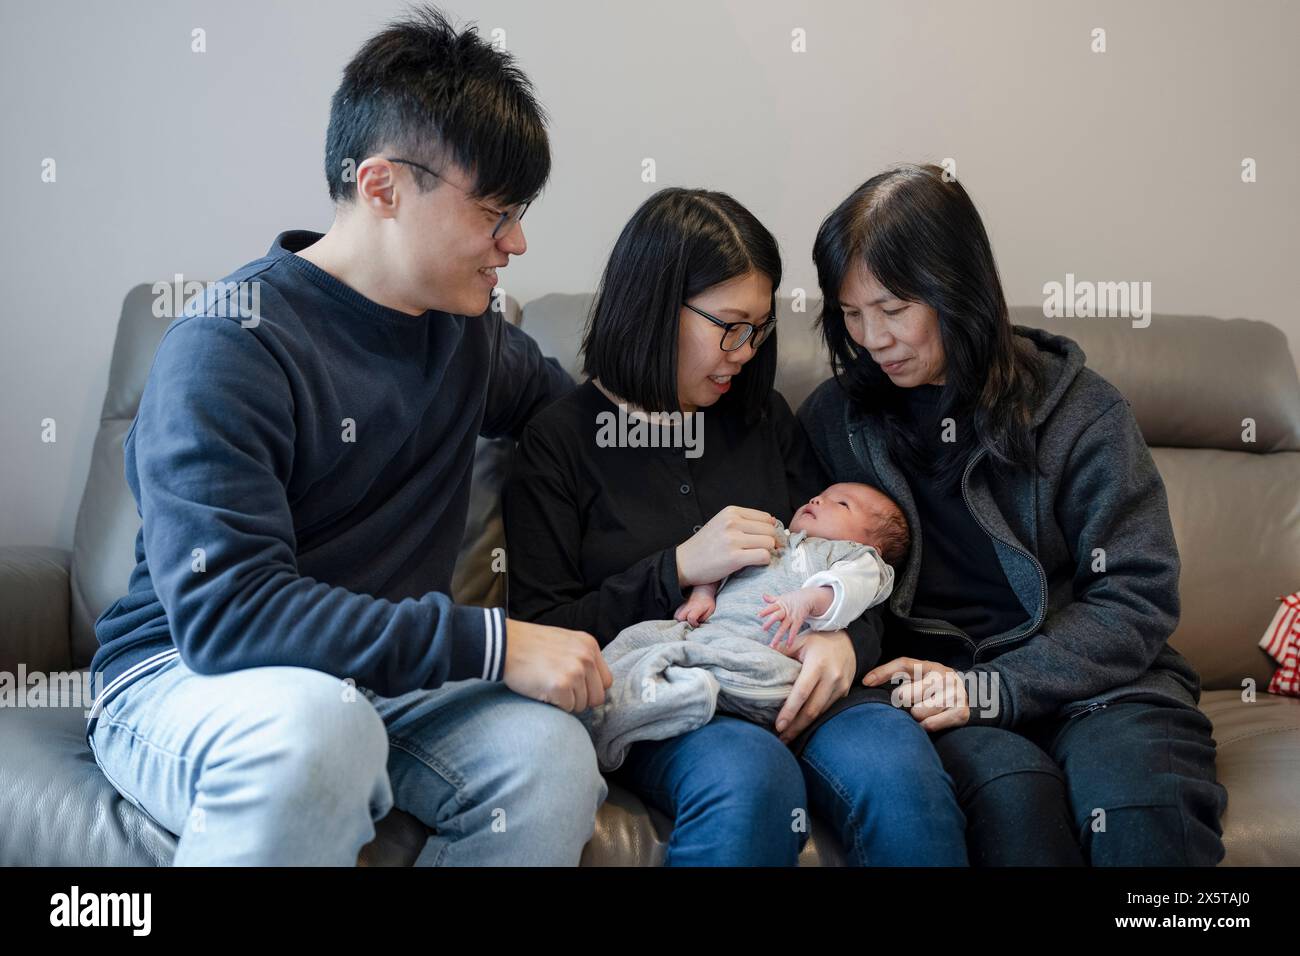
858,584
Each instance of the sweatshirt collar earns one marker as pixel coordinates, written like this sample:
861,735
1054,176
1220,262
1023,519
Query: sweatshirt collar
285,246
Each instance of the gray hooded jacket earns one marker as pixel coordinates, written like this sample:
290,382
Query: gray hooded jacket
1091,637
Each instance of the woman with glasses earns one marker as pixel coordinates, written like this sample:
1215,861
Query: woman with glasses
606,529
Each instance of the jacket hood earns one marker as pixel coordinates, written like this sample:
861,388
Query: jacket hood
1062,360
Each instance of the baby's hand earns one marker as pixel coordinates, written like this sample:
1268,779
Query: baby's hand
697,607
790,609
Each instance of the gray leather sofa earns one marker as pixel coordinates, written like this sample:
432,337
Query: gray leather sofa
1191,381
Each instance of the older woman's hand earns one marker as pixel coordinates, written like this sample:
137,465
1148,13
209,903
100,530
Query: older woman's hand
734,538
933,693
828,665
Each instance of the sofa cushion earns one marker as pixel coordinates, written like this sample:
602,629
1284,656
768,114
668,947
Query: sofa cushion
57,806
1236,518
34,608
630,833
1258,761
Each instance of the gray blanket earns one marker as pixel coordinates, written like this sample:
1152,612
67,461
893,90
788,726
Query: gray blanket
670,678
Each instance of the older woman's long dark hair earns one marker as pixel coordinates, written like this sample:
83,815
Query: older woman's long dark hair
677,244
923,240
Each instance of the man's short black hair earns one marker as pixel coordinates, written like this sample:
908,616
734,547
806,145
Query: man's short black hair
434,94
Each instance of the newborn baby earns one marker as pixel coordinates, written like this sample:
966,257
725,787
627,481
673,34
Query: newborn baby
720,653
847,512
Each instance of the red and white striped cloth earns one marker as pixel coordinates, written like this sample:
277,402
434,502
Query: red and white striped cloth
1282,642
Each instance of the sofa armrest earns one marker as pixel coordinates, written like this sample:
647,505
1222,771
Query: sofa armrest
35,597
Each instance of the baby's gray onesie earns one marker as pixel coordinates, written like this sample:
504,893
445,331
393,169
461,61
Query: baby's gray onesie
670,678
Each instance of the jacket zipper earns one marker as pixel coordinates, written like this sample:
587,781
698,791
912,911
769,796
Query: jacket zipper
948,631
1042,575
1087,710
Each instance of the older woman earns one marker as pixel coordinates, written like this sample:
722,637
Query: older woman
604,534
1028,631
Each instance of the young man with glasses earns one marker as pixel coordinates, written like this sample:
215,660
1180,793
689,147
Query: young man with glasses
287,665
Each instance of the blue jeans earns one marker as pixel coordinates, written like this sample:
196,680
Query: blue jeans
738,797
873,773
1131,783
291,766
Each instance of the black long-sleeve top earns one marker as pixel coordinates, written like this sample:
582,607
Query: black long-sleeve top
961,580
592,531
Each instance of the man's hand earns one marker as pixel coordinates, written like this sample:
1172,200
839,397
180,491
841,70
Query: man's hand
933,693
792,608
555,665
698,606
828,665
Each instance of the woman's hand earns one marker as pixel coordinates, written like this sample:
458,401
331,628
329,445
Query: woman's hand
734,538
828,665
933,693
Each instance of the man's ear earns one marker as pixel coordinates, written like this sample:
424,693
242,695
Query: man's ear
377,188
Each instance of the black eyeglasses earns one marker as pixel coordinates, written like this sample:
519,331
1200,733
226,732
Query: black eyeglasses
736,334
508,216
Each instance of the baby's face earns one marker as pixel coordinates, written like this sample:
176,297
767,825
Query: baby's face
843,512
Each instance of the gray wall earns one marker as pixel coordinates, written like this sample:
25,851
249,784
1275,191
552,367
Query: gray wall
1123,165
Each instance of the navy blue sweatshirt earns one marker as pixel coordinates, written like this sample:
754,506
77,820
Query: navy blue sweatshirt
303,481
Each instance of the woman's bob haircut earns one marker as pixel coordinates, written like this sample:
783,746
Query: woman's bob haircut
678,244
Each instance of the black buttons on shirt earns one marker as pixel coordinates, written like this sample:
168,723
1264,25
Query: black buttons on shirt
696,529
686,489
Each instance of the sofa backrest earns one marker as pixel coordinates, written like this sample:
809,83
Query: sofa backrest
1192,382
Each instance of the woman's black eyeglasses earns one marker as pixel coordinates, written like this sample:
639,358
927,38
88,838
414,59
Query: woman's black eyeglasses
736,334
508,216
